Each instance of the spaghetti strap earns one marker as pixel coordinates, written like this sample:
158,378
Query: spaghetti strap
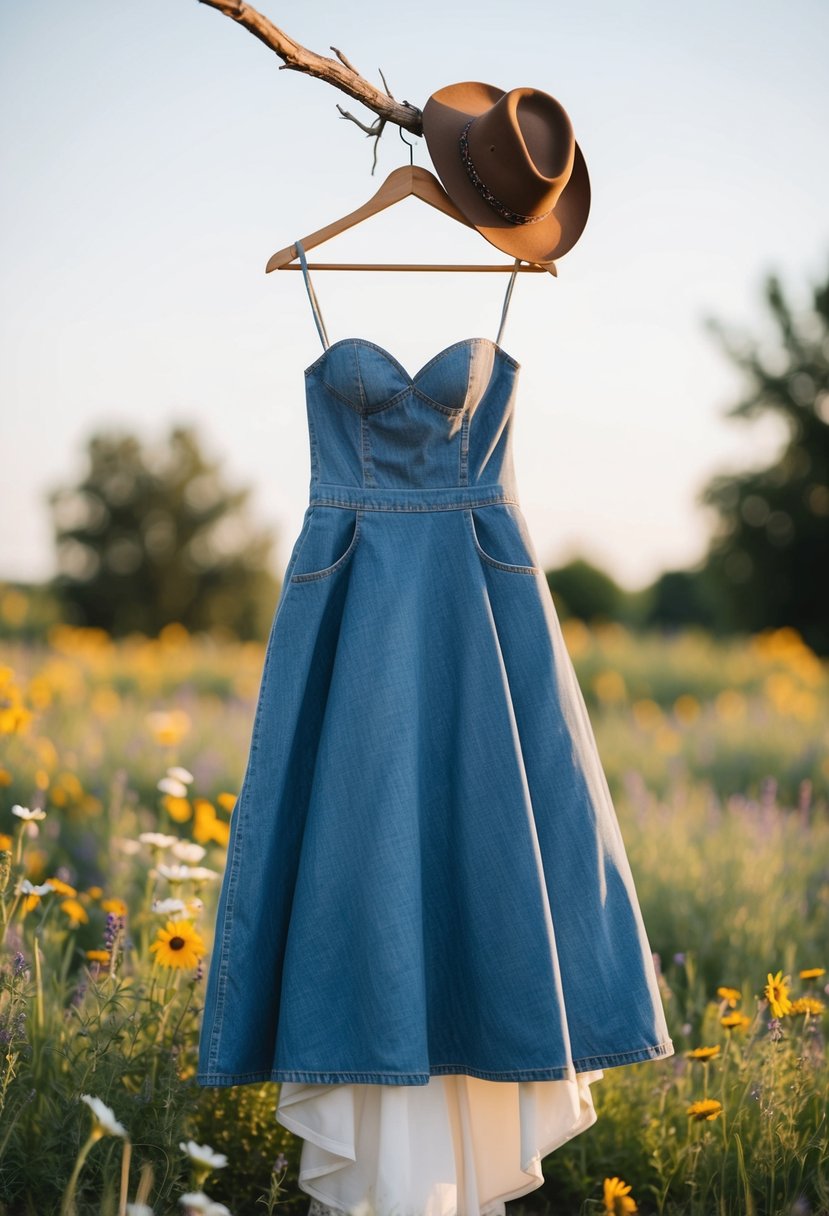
507,299
312,296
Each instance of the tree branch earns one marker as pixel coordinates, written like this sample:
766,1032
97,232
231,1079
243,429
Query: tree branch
339,72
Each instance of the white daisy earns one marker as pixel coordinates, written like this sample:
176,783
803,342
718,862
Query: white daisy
169,785
23,812
181,872
199,1204
203,1154
28,888
159,840
105,1121
175,873
188,850
166,907
179,774
202,874
195,1201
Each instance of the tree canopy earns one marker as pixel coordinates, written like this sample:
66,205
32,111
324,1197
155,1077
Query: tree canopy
151,534
769,554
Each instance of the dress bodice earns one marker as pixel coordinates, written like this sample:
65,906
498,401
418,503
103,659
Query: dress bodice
372,423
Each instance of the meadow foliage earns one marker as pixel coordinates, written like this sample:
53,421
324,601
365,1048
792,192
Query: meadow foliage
119,770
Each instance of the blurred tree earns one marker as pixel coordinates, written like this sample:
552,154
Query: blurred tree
582,590
682,597
768,559
152,535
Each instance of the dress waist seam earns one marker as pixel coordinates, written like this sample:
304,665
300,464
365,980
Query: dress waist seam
427,498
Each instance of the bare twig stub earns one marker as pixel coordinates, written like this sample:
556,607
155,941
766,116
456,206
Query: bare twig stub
340,71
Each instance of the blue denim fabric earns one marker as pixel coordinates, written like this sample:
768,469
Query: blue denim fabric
425,870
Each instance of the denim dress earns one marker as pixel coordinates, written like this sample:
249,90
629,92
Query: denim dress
425,874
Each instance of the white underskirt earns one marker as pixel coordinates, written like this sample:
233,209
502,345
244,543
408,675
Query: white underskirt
458,1146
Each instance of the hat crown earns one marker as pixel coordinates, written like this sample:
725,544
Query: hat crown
523,148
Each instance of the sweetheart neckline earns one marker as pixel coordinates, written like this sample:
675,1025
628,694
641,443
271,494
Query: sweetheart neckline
412,379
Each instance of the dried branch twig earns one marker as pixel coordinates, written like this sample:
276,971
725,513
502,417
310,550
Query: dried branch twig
340,71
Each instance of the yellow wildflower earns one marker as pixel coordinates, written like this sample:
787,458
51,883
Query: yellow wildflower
168,728
808,1004
617,1198
777,992
647,713
62,888
35,863
687,708
703,1053
5,841
14,719
204,817
98,956
14,606
609,686
114,904
178,809
221,832
226,801
732,995
730,705
707,1108
75,910
179,944
105,702
5,776
174,634
576,636
812,973
736,1021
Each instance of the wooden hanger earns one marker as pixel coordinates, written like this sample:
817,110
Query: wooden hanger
407,180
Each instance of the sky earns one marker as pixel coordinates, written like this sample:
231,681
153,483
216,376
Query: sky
153,157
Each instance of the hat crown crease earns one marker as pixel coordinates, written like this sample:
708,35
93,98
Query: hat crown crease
519,184
565,153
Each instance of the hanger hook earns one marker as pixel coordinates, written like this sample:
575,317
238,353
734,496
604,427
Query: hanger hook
408,145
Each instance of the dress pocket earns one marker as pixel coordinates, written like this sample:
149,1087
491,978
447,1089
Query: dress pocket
329,543
501,539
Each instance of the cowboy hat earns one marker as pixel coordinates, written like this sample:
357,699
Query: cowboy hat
510,162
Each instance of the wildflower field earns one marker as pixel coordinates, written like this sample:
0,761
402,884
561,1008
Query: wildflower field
119,769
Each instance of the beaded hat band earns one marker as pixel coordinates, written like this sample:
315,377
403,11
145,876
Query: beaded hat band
483,189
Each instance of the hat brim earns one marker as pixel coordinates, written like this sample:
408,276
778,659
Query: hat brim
445,115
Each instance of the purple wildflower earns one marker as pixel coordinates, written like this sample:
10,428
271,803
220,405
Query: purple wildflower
775,1030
